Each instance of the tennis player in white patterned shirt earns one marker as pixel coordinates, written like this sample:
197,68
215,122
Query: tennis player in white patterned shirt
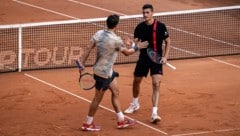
108,45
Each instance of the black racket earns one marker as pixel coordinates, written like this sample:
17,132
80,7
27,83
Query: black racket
86,80
156,58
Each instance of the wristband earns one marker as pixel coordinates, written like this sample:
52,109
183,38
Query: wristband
134,47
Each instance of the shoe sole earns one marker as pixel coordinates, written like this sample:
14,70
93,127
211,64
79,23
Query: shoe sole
132,111
156,120
124,126
89,129
127,125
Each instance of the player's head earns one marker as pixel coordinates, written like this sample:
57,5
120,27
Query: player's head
147,11
112,21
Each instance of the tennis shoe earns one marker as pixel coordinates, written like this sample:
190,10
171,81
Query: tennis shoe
91,127
132,108
126,123
155,119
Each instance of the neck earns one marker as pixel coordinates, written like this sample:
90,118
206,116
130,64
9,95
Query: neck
111,30
150,21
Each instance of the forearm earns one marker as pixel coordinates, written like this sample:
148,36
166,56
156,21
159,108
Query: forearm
167,48
135,47
130,51
86,54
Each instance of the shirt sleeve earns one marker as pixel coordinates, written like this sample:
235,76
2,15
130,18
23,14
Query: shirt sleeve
166,34
120,45
94,38
136,31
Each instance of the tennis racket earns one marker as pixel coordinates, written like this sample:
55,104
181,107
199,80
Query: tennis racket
156,58
86,80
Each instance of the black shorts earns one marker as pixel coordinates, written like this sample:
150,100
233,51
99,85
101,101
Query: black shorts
144,65
104,83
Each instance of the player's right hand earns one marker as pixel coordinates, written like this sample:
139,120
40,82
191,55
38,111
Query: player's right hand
127,40
142,45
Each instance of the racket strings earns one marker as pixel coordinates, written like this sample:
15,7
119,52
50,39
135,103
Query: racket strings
86,81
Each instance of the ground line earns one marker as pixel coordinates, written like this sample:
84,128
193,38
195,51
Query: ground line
84,99
207,132
65,15
92,6
226,63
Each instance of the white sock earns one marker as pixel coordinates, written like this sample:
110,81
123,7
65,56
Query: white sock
120,116
89,120
135,101
154,110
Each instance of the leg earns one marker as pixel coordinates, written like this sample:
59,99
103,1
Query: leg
134,106
156,80
89,125
122,121
136,86
99,93
156,74
101,86
115,93
141,71
95,102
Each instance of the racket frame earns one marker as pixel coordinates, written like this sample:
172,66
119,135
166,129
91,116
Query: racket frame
150,50
81,68
81,77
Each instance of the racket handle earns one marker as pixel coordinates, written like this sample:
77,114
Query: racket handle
79,65
171,66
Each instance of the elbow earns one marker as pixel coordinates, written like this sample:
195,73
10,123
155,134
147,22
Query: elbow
126,54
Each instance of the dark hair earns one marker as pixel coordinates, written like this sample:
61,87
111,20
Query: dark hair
146,6
112,21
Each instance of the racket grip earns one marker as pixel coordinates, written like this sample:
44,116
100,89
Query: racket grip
171,66
79,65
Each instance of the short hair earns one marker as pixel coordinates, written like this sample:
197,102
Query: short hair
112,21
147,6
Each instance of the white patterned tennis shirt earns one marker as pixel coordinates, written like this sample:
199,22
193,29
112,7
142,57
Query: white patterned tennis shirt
108,45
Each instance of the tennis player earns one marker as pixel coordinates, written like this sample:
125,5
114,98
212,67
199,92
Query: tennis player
144,32
108,45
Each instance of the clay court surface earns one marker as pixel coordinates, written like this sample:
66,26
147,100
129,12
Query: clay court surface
200,98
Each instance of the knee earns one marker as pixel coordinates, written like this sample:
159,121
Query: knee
137,81
156,83
115,93
98,97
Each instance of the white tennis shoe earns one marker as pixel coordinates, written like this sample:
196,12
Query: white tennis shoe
132,108
155,119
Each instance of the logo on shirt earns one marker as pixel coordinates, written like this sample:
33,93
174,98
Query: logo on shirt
166,33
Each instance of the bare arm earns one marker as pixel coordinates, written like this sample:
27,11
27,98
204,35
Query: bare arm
135,46
87,52
128,52
167,49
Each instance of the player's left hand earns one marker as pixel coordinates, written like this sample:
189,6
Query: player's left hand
142,45
163,60
82,67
